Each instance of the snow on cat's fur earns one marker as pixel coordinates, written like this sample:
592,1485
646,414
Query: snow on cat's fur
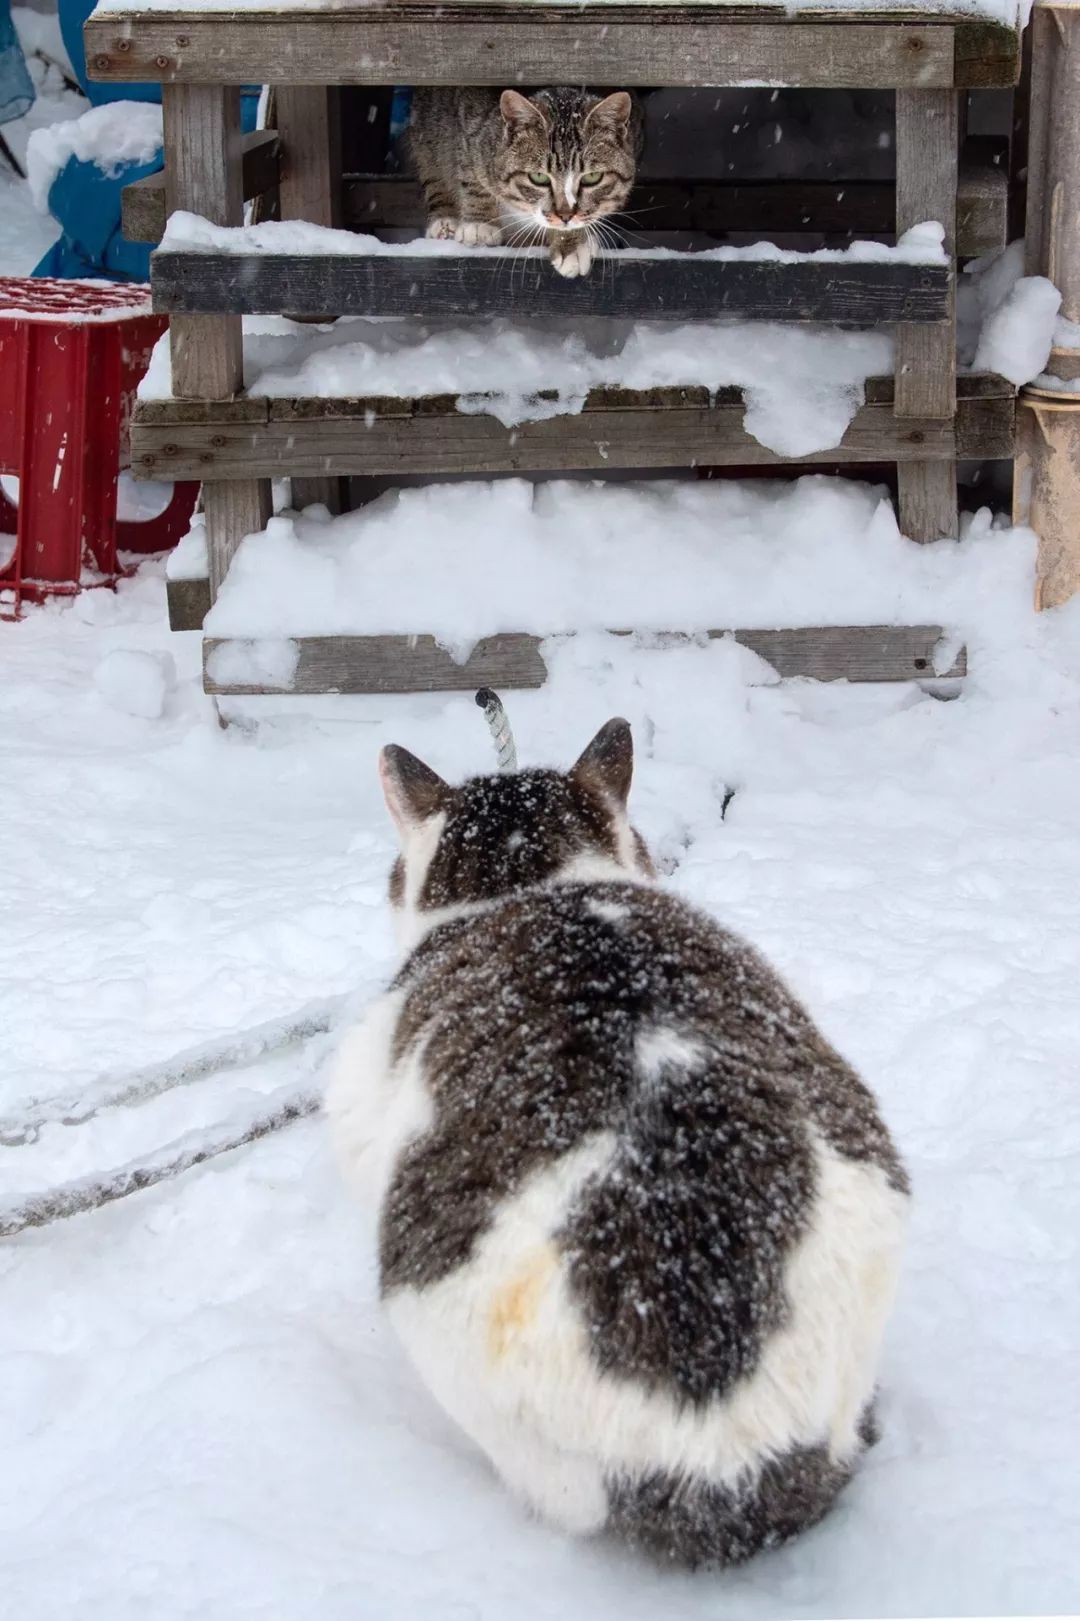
639,1224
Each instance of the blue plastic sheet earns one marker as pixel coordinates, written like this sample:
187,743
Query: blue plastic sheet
17,92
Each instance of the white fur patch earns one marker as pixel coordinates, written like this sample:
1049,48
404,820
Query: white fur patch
502,1345
375,1108
609,911
661,1046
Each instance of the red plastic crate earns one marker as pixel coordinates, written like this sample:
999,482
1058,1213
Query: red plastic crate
71,357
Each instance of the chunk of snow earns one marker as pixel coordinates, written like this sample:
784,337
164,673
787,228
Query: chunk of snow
1018,336
264,661
135,682
111,136
468,560
188,559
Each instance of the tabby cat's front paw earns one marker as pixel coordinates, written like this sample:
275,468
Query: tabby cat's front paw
442,229
573,261
477,234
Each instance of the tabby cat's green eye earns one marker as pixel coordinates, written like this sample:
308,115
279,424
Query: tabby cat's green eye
540,179
593,178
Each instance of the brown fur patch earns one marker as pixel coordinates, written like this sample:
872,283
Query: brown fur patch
517,1302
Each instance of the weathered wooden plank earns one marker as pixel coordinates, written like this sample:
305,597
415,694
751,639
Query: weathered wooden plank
352,47
362,440
142,207
831,207
927,143
359,664
926,180
309,123
633,286
188,603
203,174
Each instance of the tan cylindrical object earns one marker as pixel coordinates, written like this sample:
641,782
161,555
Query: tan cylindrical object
1046,489
1053,217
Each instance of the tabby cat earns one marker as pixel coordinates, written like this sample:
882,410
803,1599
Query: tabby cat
639,1223
546,167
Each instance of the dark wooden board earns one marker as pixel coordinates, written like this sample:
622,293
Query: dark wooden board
684,287
522,44
664,428
371,664
828,207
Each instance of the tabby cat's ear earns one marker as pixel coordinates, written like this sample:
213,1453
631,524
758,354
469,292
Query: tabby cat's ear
611,113
607,765
413,791
519,112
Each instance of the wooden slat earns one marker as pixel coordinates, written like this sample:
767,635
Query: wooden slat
142,206
366,664
632,286
828,207
352,47
309,122
188,603
203,174
668,428
927,144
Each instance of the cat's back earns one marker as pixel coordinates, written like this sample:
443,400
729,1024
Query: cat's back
613,1039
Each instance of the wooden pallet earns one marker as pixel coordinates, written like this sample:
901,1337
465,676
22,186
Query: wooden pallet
200,57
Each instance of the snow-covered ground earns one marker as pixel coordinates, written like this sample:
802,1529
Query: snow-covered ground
203,1410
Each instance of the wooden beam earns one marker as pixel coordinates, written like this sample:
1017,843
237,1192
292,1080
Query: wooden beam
366,664
309,122
203,174
142,206
927,148
520,46
188,603
632,285
826,207
617,429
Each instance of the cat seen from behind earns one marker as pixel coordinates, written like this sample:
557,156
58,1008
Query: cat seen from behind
544,168
639,1224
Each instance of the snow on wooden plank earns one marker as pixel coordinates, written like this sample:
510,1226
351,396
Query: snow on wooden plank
627,286
366,664
650,429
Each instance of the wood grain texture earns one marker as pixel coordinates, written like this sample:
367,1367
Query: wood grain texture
828,207
203,158
632,286
519,46
234,509
366,664
666,428
309,124
926,184
188,603
927,144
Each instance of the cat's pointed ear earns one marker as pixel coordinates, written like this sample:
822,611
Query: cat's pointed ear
413,791
519,112
611,113
607,765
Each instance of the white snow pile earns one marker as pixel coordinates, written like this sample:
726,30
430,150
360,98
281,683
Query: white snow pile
190,233
802,384
136,682
111,136
468,560
203,1411
1005,320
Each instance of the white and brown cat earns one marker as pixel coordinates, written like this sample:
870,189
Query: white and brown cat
639,1224
548,167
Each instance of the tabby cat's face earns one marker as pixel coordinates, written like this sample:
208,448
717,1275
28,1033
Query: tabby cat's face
567,158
